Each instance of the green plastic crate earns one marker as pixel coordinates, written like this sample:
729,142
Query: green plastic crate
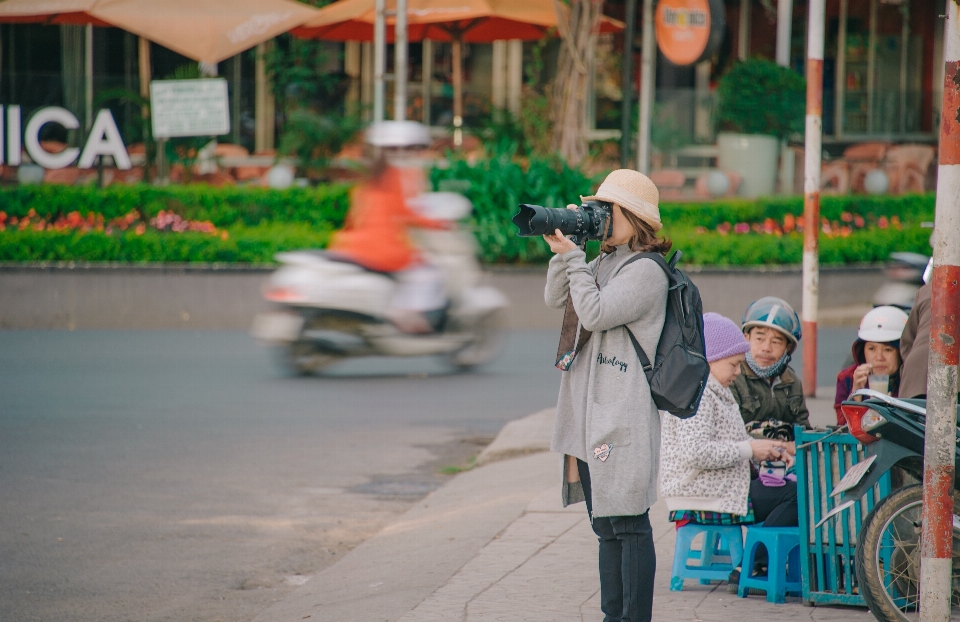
828,567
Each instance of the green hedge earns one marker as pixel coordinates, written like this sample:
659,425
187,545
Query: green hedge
221,206
866,245
910,208
259,244
256,245
261,222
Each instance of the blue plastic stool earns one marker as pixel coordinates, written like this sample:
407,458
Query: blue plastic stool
724,541
783,565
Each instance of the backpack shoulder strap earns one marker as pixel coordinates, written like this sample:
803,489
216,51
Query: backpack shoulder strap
667,268
644,359
645,362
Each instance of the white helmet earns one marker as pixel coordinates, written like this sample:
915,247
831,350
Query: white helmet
882,325
398,134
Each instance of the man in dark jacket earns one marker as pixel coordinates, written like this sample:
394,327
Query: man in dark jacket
915,346
768,391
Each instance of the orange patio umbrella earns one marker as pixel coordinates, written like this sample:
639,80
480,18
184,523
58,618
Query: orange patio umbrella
457,21
208,31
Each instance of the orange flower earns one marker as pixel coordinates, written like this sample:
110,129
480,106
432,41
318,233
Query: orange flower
224,235
789,223
141,228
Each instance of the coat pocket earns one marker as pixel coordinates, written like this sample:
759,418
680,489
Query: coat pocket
610,429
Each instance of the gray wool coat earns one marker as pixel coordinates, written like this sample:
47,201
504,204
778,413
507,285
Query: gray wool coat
605,413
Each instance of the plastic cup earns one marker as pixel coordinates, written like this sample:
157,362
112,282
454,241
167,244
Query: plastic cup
879,383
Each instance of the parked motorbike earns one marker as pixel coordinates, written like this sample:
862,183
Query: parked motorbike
888,546
906,273
329,309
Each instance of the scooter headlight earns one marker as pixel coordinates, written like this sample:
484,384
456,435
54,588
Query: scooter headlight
871,420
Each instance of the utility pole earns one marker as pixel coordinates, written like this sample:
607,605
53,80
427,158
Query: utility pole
813,139
940,441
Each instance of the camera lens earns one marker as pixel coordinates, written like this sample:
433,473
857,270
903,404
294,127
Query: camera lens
536,220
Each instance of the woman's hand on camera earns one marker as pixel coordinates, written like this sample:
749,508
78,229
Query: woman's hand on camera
765,449
559,243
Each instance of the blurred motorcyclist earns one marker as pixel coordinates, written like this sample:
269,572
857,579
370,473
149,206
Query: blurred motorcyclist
375,234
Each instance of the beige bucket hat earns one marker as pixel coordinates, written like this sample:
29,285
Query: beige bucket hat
632,191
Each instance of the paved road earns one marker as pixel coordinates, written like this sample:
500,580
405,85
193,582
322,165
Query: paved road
174,475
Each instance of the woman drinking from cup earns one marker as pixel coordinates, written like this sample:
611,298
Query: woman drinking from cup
876,355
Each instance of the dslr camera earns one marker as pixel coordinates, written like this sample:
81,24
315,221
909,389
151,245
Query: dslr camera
591,221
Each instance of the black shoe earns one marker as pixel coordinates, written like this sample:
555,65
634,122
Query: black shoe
734,580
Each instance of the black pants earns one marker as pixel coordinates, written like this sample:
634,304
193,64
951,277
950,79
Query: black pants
775,507
628,561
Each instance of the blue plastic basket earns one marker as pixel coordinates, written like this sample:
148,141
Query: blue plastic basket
828,567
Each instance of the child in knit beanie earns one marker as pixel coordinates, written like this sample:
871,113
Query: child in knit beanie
705,474
726,347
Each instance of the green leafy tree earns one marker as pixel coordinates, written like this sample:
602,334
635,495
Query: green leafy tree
757,96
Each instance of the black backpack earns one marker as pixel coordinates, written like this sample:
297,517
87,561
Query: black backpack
678,374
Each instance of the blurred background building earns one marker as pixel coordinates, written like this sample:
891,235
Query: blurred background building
882,77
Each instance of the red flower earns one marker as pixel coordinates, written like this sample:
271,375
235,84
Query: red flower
846,217
741,227
882,222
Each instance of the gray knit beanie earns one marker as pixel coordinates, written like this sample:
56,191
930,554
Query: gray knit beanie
722,337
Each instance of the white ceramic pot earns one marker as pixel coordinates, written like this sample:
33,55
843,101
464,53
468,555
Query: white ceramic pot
753,157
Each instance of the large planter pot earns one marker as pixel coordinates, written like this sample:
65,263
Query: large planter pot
753,157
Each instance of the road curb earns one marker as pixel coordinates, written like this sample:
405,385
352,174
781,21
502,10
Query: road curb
388,575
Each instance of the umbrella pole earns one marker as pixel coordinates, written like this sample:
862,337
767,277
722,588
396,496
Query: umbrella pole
647,85
626,83
88,70
457,53
379,59
400,62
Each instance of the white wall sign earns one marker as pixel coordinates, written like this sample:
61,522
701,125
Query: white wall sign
189,108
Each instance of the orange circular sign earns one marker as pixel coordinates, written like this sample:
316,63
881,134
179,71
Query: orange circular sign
683,29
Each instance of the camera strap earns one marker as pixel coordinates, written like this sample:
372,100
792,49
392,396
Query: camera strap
572,340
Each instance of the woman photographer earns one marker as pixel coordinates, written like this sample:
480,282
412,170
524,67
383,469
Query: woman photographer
607,425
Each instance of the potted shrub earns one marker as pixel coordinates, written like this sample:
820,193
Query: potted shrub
759,104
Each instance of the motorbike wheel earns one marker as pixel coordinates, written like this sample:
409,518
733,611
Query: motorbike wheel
301,358
486,345
888,557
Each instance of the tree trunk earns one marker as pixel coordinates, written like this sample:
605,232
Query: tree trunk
578,24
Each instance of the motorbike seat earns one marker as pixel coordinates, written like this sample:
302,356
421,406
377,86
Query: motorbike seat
332,256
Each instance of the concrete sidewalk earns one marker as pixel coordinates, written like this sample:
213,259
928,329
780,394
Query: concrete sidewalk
495,544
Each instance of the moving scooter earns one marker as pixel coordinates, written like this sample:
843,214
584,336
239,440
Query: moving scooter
329,309
888,546
906,273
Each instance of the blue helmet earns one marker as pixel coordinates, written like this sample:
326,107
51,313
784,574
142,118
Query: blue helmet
775,313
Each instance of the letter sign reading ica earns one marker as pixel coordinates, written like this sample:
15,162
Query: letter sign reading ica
689,31
103,140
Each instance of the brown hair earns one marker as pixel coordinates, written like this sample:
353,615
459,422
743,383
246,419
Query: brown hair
645,239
